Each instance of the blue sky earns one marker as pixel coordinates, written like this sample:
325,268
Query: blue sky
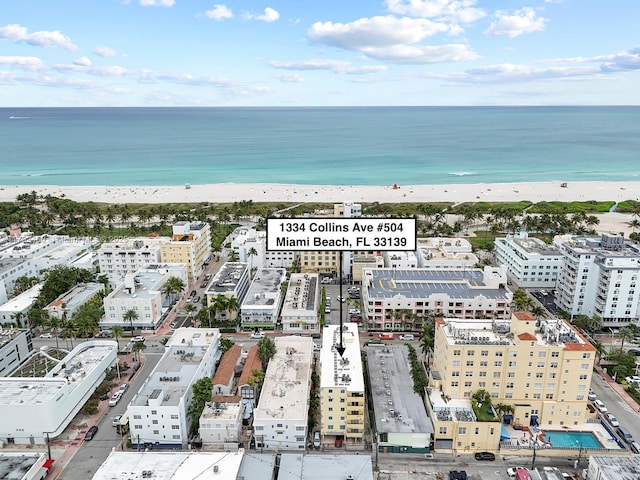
319,52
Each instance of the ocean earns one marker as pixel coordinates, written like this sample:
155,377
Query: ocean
318,146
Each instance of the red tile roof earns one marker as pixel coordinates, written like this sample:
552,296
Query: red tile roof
227,366
524,316
527,336
252,363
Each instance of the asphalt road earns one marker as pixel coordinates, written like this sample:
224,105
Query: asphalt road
92,454
616,405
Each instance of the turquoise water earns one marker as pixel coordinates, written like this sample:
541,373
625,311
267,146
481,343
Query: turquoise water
559,438
324,146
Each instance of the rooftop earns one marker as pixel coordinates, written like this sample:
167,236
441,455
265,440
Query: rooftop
533,245
69,373
17,465
227,367
139,243
618,466
285,391
170,465
23,301
420,283
321,467
302,292
227,278
221,411
174,373
251,363
148,281
76,296
7,335
397,408
451,410
345,371
265,287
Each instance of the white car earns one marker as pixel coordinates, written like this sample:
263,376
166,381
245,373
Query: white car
258,335
407,336
115,398
612,419
139,338
591,395
46,335
512,471
600,406
316,347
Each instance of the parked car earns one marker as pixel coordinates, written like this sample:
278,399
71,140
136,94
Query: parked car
204,284
591,395
258,335
115,421
457,475
407,336
634,351
46,335
485,456
340,299
123,387
139,338
91,433
512,471
316,439
600,406
193,293
612,419
115,398
196,299
316,347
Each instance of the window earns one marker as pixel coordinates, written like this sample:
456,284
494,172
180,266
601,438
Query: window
484,353
468,374
496,374
483,363
155,422
443,430
471,353
156,432
137,417
462,430
176,437
468,384
542,354
456,353
469,363
497,364
174,416
539,375
175,427
454,384
483,374
555,354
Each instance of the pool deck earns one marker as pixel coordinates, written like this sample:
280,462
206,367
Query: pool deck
526,438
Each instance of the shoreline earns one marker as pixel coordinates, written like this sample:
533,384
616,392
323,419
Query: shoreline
268,192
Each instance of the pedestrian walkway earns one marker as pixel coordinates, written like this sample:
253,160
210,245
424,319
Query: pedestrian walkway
619,389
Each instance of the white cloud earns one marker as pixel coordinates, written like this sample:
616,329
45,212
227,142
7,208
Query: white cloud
103,51
290,78
269,15
24,63
82,61
157,3
524,20
452,10
375,32
219,12
422,54
335,66
18,33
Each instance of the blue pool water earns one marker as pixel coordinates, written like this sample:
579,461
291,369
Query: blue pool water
563,438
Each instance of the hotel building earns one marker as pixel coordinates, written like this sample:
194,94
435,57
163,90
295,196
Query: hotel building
232,280
117,259
261,304
342,395
281,418
438,253
190,244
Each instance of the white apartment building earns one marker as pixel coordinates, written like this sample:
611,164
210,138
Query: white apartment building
281,417
342,395
69,302
397,300
190,244
247,239
18,306
142,292
118,258
24,465
400,259
158,412
530,262
599,275
221,422
31,408
300,310
438,253
261,304
232,280
16,346
613,467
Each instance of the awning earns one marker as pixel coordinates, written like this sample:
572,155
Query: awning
48,463
504,433
124,419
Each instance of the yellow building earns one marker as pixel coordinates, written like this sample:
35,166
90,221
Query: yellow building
542,368
342,399
191,245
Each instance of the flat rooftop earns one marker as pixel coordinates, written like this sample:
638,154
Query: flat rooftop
16,465
397,408
80,362
77,295
421,283
22,301
302,292
321,467
149,280
170,465
618,466
223,411
7,335
451,410
346,371
265,287
227,278
535,246
174,373
135,244
285,390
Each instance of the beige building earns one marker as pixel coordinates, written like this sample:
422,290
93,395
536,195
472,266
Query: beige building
190,244
541,367
342,398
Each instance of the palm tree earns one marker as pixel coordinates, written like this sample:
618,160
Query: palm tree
232,305
129,316
117,332
136,348
251,253
627,333
219,305
68,331
173,286
54,324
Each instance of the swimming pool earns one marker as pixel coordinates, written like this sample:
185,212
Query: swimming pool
563,438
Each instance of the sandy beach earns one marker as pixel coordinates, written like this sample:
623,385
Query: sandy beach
226,193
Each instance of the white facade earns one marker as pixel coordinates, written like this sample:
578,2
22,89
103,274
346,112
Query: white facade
300,310
221,424
262,302
438,253
32,407
599,276
19,306
529,261
69,302
397,300
245,239
15,347
280,419
400,259
158,412
118,258
142,292
613,467
23,465
232,280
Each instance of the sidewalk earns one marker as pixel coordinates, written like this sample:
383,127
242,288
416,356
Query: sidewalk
619,389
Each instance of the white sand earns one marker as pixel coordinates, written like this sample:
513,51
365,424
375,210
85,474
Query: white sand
225,193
